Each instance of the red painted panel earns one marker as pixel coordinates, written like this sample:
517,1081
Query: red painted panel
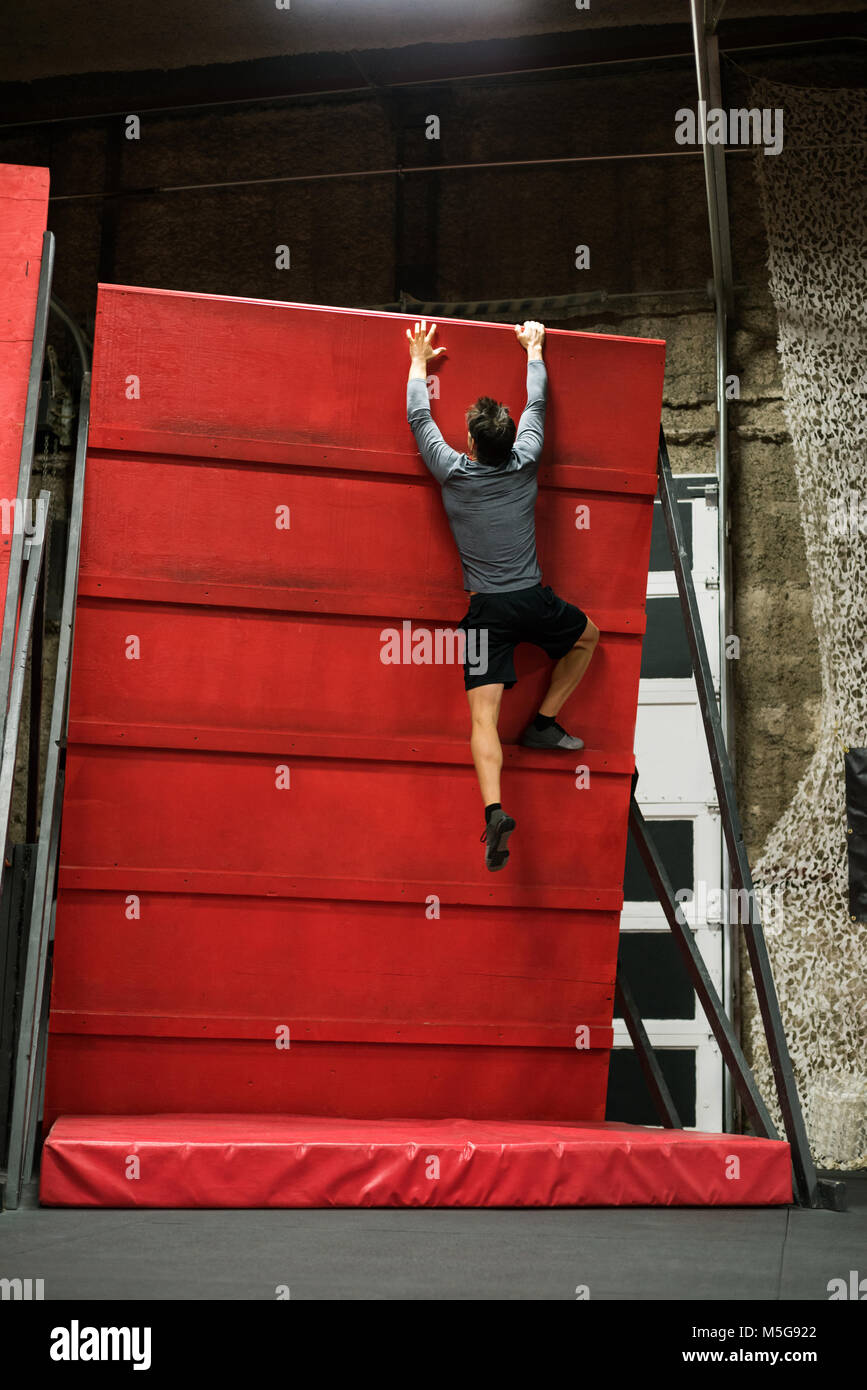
179,956
260,666
23,217
333,547
339,818
146,1075
259,648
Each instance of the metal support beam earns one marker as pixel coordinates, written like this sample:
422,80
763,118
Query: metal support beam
650,1069
29,607
706,49
29,1061
700,976
14,911
784,1078
34,729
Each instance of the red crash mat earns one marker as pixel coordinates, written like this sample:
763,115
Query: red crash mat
313,1161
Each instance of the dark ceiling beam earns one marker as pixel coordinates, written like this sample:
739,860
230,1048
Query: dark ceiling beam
91,96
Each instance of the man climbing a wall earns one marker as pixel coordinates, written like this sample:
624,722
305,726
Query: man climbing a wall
489,494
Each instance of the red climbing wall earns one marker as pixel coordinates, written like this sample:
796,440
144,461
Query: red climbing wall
267,828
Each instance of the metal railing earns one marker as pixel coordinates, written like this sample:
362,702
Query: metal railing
33,882
810,1191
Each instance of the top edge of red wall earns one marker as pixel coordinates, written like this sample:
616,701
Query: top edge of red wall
366,313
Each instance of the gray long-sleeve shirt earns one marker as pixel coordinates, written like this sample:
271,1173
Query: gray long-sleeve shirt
491,509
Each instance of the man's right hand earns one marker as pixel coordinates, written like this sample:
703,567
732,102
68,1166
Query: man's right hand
531,335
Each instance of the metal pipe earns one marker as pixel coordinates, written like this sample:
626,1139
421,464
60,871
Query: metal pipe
731,939
390,172
710,96
62,313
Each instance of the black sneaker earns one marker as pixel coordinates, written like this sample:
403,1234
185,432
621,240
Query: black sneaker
555,736
496,836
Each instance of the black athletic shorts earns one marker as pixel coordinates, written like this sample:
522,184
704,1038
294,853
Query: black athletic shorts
494,624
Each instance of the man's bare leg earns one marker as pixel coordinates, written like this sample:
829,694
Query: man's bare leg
485,740
488,758
568,672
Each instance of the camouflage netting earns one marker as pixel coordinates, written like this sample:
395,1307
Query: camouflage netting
816,219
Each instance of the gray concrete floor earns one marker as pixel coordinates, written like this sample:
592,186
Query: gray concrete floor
626,1254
